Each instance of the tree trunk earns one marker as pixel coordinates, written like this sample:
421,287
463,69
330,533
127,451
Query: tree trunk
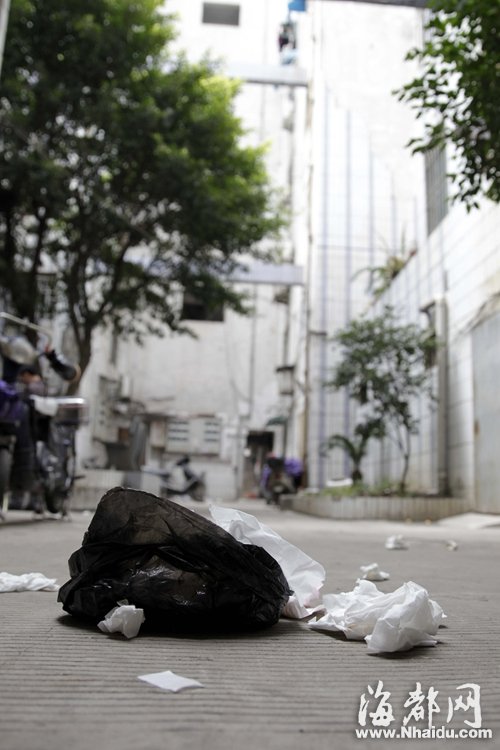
406,464
356,475
85,354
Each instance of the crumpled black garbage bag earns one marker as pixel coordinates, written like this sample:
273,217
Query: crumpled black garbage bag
184,571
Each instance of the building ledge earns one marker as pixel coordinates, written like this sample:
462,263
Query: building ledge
270,75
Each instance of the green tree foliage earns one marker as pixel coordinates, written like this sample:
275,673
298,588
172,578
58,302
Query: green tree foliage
458,92
383,366
357,445
122,171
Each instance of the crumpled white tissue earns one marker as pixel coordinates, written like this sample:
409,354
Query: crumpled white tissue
397,621
372,572
170,681
124,618
395,542
305,576
26,582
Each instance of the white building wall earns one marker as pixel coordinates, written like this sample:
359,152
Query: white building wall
366,187
459,264
471,249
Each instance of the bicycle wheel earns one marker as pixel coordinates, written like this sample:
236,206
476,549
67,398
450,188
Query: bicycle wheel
57,498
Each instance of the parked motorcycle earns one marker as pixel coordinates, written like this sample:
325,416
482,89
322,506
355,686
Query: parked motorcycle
49,424
11,415
276,481
194,484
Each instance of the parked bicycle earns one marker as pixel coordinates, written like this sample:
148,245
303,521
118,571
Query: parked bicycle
37,431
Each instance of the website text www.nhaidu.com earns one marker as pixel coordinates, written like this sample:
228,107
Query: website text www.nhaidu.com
418,733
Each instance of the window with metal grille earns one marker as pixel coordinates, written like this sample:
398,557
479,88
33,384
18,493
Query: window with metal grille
178,436
194,435
195,309
221,13
211,436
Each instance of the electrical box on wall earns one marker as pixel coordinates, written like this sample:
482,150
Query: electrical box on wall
105,427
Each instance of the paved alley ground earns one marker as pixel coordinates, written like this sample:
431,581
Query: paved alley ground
67,686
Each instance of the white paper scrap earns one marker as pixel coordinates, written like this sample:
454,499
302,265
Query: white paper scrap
395,621
305,576
170,681
372,572
395,542
125,619
26,582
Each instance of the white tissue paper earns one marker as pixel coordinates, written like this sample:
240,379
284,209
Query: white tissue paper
170,681
26,582
397,621
125,619
395,542
305,576
372,572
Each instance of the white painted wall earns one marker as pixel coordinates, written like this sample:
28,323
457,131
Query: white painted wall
460,264
367,193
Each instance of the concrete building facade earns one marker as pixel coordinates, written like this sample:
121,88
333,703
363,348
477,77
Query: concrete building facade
373,199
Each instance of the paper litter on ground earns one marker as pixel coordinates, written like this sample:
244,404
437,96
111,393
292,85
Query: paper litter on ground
170,681
396,621
124,618
26,582
305,576
372,572
395,542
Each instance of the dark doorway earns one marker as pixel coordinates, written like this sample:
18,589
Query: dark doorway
259,444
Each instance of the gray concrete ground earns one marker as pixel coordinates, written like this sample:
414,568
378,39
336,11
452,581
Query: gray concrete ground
65,685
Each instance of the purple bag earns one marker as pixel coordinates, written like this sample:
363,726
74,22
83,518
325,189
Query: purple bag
11,406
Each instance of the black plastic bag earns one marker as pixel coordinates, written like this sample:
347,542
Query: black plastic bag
184,571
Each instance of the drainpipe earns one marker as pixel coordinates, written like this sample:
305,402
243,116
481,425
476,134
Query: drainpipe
348,269
323,288
441,323
306,431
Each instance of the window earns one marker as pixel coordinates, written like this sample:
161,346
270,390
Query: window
178,436
221,13
436,187
210,436
194,435
195,309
